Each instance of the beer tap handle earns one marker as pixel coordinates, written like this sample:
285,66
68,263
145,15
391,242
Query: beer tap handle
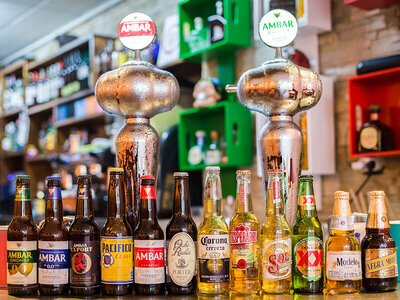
278,52
231,88
137,55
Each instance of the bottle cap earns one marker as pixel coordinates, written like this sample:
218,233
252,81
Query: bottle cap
275,171
243,172
377,211
53,178
374,108
341,206
115,170
181,174
22,177
213,169
147,180
84,179
306,177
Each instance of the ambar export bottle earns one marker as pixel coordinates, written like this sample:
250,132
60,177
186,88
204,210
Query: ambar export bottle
276,240
116,242
307,241
378,249
22,237
181,236
343,255
213,240
244,241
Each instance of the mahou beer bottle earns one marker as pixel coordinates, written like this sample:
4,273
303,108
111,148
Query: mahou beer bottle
276,240
149,246
116,242
378,249
343,255
307,241
22,243
181,235
53,244
84,243
244,233
213,240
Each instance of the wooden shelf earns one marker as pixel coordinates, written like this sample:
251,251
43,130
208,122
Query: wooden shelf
78,121
75,96
39,158
39,108
13,154
11,113
380,153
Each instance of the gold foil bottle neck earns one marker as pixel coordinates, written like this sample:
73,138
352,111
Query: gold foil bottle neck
377,211
342,204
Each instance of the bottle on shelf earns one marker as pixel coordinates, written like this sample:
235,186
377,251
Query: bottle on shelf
13,95
22,236
197,152
216,23
275,239
244,235
343,255
181,236
213,277
378,249
307,242
198,36
213,153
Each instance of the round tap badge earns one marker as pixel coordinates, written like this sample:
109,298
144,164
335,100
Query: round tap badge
137,31
278,28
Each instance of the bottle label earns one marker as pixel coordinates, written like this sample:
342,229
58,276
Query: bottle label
149,261
147,192
116,260
22,262
308,202
84,257
276,191
342,223
214,258
181,258
308,253
277,259
369,138
23,194
53,262
343,265
213,157
381,263
83,193
243,243
53,193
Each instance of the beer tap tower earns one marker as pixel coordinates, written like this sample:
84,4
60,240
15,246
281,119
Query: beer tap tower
137,91
279,89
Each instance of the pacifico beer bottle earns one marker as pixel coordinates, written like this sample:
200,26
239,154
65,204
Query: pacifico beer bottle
116,242
84,243
53,244
22,243
149,246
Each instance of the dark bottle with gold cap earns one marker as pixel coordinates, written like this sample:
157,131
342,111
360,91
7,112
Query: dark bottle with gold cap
378,248
22,243
84,243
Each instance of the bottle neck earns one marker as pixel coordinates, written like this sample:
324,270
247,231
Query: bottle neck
275,200
212,196
22,206
181,205
116,196
54,207
148,208
243,195
84,203
306,205
374,116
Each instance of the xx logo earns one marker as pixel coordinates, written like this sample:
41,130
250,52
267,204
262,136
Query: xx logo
310,258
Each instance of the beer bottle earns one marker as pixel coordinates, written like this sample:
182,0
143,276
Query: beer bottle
343,255
378,249
181,236
116,242
84,243
213,233
53,244
22,243
149,246
307,241
275,239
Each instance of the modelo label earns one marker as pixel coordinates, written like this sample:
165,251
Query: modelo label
116,260
149,261
181,259
381,263
277,259
213,258
343,265
22,262
308,254
53,262
243,243
84,257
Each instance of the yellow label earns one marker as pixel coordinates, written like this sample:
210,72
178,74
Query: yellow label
369,138
381,263
116,260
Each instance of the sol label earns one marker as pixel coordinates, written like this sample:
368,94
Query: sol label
277,259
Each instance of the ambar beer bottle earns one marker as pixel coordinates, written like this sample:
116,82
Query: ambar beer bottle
22,243
343,255
244,241
149,245
378,249
84,243
53,244
116,242
181,236
307,241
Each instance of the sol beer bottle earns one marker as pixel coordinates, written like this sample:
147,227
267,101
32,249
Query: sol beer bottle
213,240
276,241
307,241
244,241
22,243
343,255
53,244
149,246
84,242
181,235
378,249
116,241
